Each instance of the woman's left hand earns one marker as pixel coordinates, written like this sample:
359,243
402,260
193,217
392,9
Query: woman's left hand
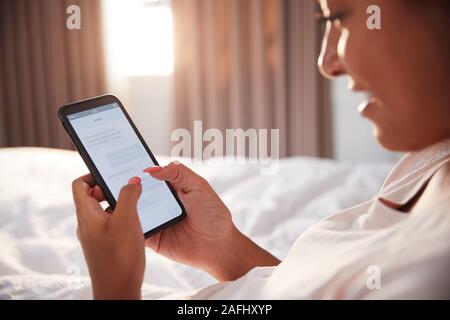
113,242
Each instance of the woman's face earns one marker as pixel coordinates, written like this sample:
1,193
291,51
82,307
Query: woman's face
404,67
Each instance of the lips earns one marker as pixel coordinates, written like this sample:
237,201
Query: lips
368,94
370,97
363,106
370,101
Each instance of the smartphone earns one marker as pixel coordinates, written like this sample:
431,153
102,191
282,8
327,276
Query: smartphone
114,151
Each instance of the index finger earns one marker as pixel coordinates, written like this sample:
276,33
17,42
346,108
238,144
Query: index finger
80,189
85,205
180,176
84,189
89,179
95,191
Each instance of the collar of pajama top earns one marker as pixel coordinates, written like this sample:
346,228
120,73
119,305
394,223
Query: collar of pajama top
369,251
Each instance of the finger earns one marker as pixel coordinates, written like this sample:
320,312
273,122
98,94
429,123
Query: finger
178,175
84,204
126,207
80,190
89,179
154,241
97,193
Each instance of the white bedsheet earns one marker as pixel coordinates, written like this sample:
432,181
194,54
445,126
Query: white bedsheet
40,257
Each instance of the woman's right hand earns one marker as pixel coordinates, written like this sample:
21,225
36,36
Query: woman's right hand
207,237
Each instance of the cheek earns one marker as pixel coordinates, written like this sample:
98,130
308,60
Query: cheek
355,53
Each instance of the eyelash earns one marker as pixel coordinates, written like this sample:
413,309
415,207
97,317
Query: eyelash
331,18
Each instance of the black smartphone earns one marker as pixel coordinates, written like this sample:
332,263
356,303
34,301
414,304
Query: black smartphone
114,151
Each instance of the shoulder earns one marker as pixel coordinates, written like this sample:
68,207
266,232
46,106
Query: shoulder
443,176
437,190
440,182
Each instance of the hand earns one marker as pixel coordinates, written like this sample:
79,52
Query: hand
112,242
207,238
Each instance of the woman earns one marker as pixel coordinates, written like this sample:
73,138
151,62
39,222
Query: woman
396,245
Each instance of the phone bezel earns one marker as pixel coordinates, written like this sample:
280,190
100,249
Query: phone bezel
92,103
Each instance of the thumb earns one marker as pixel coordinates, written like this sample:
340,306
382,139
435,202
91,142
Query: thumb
179,176
126,207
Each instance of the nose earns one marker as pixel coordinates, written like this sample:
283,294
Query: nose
330,64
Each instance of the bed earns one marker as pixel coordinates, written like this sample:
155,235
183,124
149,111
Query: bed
40,257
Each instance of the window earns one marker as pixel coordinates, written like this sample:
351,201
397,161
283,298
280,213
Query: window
139,36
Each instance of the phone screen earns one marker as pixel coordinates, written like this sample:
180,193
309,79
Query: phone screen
119,155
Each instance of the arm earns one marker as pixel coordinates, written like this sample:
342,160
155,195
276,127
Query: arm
207,238
238,257
113,244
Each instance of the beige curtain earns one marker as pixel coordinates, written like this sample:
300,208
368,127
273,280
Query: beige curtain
251,64
43,65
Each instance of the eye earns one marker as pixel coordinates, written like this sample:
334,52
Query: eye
332,18
336,19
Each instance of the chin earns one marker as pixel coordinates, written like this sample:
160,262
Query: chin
384,140
400,142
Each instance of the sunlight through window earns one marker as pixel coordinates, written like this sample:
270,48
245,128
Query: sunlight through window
139,35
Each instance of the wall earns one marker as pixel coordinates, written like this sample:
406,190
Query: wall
150,107
353,138
147,98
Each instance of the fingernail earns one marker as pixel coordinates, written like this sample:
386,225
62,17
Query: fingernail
134,180
153,169
91,192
